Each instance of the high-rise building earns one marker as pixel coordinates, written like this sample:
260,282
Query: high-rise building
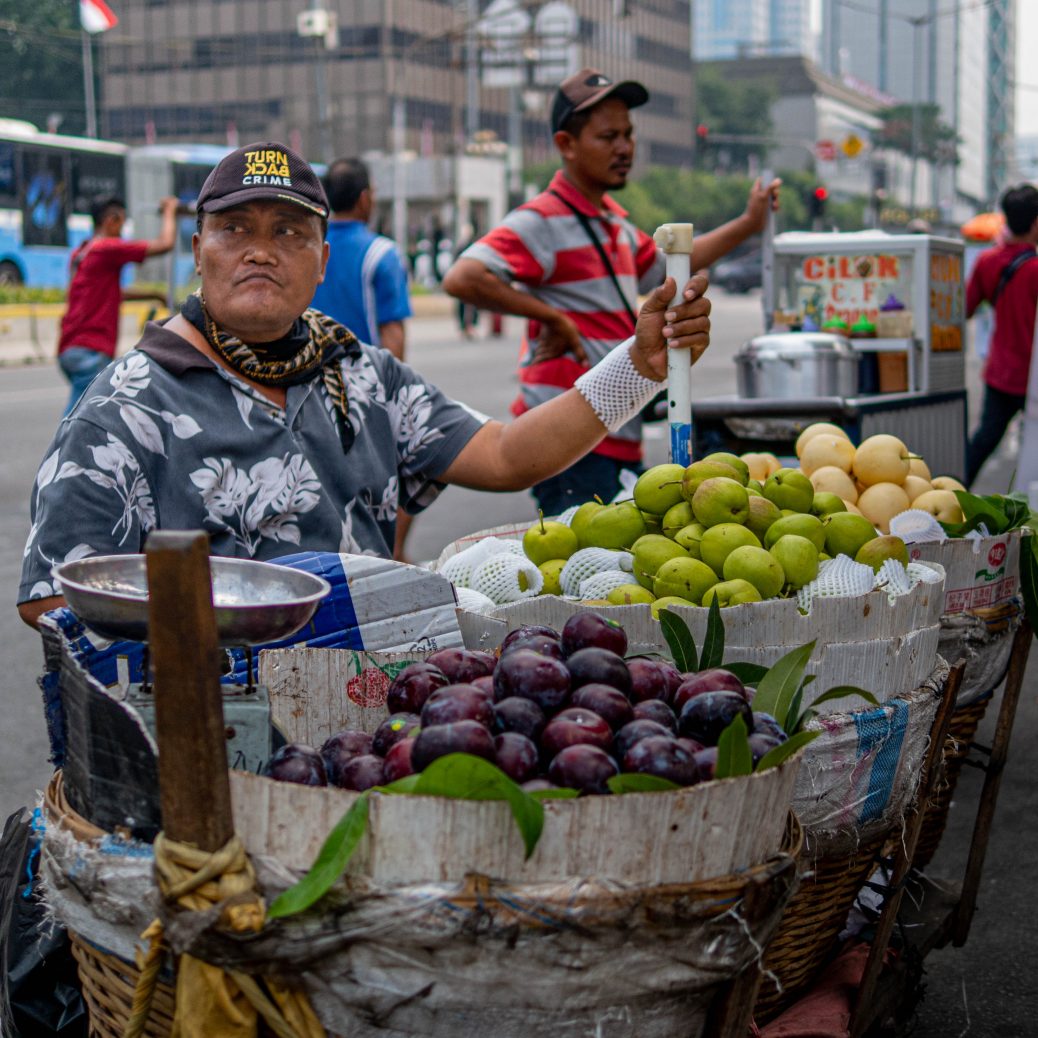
225,70
959,57
727,29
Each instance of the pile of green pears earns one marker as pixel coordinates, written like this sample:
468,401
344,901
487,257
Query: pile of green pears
709,532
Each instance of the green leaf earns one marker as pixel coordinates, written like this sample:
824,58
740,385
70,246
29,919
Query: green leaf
1029,579
776,689
680,641
786,749
562,793
328,866
747,673
465,777
633,782
406,784
713,642
734,756
794,707
842,691
988,508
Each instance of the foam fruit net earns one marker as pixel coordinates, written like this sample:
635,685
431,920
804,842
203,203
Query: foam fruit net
842,577
505,577
599,585
583,564
914,526
473,601
458,569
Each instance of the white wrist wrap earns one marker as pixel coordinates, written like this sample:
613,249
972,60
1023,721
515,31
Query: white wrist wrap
615,389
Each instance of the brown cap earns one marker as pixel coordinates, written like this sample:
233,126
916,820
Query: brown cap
266,170
586,88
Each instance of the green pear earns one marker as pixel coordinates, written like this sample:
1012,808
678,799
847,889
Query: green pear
762,513
615,526
720,500
687,578
689,537
798,558
548,539
735,461
754,486
701,470
630,594
677,518
720,541
758,566
552,571
846,533
809,526
659,488
826,503
650,552
732,592
581,517
790,488
653,522
666,601
875,552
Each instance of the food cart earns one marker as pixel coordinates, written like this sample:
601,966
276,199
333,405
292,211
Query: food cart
911,373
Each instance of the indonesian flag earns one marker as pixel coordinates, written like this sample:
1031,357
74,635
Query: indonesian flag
96,16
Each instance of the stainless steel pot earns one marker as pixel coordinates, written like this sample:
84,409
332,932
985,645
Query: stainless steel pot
797,365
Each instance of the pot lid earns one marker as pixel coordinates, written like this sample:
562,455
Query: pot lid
798,344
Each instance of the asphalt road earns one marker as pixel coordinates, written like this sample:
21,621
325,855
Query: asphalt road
986,989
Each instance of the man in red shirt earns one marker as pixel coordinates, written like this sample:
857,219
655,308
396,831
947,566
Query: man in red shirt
581,265
90,327
1007,278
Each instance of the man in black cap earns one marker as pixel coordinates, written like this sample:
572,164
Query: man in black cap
269,425
581,266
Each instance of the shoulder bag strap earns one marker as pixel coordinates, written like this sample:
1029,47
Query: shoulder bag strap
590,232
1008,271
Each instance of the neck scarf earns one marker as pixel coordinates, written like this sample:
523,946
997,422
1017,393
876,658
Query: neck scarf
314,347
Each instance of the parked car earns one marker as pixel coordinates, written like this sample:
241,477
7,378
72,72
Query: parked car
740,273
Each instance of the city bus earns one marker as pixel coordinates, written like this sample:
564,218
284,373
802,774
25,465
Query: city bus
47,184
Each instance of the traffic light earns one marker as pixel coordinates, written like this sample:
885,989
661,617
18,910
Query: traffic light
819,196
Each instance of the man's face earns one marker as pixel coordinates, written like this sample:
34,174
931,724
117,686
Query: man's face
260,264
602,153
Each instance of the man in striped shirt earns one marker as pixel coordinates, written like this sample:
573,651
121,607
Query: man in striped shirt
365,285
571,262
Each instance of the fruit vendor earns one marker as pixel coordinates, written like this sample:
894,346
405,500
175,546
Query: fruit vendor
572,263
270,426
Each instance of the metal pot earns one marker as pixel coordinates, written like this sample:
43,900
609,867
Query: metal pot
794,365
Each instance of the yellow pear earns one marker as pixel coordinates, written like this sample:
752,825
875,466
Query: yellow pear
852,507
916,485
881,459
946,483
918,467
832,480
817,429
881,502
824,450
943,505
761,465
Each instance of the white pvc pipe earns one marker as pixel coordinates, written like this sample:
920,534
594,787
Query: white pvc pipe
675,241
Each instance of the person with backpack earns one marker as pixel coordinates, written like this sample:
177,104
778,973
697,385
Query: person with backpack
1005,277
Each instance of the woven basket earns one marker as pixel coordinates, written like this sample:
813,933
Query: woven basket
812,922
961,729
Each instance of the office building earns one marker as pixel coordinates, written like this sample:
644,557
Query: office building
729,29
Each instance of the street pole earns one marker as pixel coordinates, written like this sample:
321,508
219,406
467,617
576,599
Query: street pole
471,72
515,145
917,24
321,94
399,182
88,85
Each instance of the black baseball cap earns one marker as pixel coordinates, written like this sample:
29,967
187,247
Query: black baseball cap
586,88
265,170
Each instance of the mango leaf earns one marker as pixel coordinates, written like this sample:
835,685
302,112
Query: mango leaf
776,689
402,785
841,691
680,641
794,708
734,756
561,793
747,673
784,750
713,642
961,529
465,777
328,866
989,508
632,782
1029,579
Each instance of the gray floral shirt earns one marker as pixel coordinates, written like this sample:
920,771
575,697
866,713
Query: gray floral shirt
164,438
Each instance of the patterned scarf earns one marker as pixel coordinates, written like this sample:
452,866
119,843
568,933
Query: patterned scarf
314,346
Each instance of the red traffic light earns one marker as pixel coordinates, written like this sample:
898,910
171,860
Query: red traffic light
702,131
821,193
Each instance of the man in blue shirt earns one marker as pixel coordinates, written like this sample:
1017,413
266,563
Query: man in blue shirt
365,285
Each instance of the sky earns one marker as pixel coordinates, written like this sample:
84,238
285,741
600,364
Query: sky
1026,71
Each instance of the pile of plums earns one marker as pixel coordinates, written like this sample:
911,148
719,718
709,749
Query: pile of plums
554,710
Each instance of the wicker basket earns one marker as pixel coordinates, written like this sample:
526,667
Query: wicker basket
962,728
812,922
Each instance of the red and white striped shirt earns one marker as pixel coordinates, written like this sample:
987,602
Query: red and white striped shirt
543,246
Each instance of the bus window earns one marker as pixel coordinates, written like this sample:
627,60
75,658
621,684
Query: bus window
94,177
44,201
8,177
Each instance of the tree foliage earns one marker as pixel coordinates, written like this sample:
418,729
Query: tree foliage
732,108
938,142
41,58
